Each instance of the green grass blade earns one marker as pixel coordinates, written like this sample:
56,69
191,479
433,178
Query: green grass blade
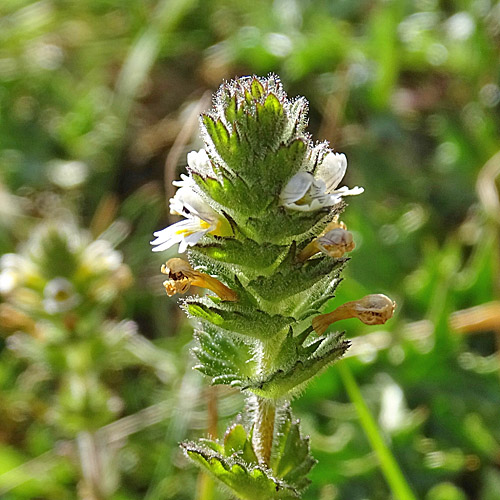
390,468
145,50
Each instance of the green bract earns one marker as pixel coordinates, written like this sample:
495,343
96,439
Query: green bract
256,196
235,463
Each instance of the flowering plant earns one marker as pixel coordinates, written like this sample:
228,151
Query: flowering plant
261,227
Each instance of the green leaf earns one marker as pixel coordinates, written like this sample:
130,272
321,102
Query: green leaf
265,257
291,459
221,357
235,464
296,123
287,290
257,89
217,132
234,439
230,109
286,162
282,226
273,106
289,280
247,481
239,319
292,379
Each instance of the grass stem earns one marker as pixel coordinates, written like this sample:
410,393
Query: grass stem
390,468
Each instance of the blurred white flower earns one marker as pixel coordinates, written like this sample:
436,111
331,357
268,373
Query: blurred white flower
460,26
307,192
59,296
101,257
13,269
8,280
68,174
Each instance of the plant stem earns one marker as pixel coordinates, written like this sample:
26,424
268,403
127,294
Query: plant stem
263,431
264,414
390,468
90,462
205,488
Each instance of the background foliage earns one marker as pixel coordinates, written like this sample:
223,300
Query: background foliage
98,108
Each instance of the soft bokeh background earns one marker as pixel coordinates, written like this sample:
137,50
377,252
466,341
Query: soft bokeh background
98,107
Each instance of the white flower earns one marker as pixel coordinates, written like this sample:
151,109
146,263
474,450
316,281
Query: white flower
13,271
8,280
101,257
306,192
59,296
200,219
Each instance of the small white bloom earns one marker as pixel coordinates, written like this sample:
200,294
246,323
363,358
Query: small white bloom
186,232
200,219
101,257
8,280
306,192
59,296
13,271
186,202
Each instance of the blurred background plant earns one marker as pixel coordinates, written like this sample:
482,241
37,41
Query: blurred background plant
98,108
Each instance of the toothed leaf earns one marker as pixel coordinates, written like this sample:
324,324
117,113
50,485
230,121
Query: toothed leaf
291,459
248,482
217,132
233,317
234,439
294,377
265,257
257,89
221,358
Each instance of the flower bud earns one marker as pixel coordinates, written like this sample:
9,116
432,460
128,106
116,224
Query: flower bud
373,309
15,319
335,243
182,276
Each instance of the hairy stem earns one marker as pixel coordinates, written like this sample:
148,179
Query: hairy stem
263,431
264,414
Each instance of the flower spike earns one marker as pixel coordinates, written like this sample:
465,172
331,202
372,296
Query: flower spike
182,276
373,309
256,203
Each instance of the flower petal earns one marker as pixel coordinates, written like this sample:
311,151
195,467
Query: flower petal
178,232
332,170
191,239
199,162
186,181
345,191
322,201
296,188
188,203
317,189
